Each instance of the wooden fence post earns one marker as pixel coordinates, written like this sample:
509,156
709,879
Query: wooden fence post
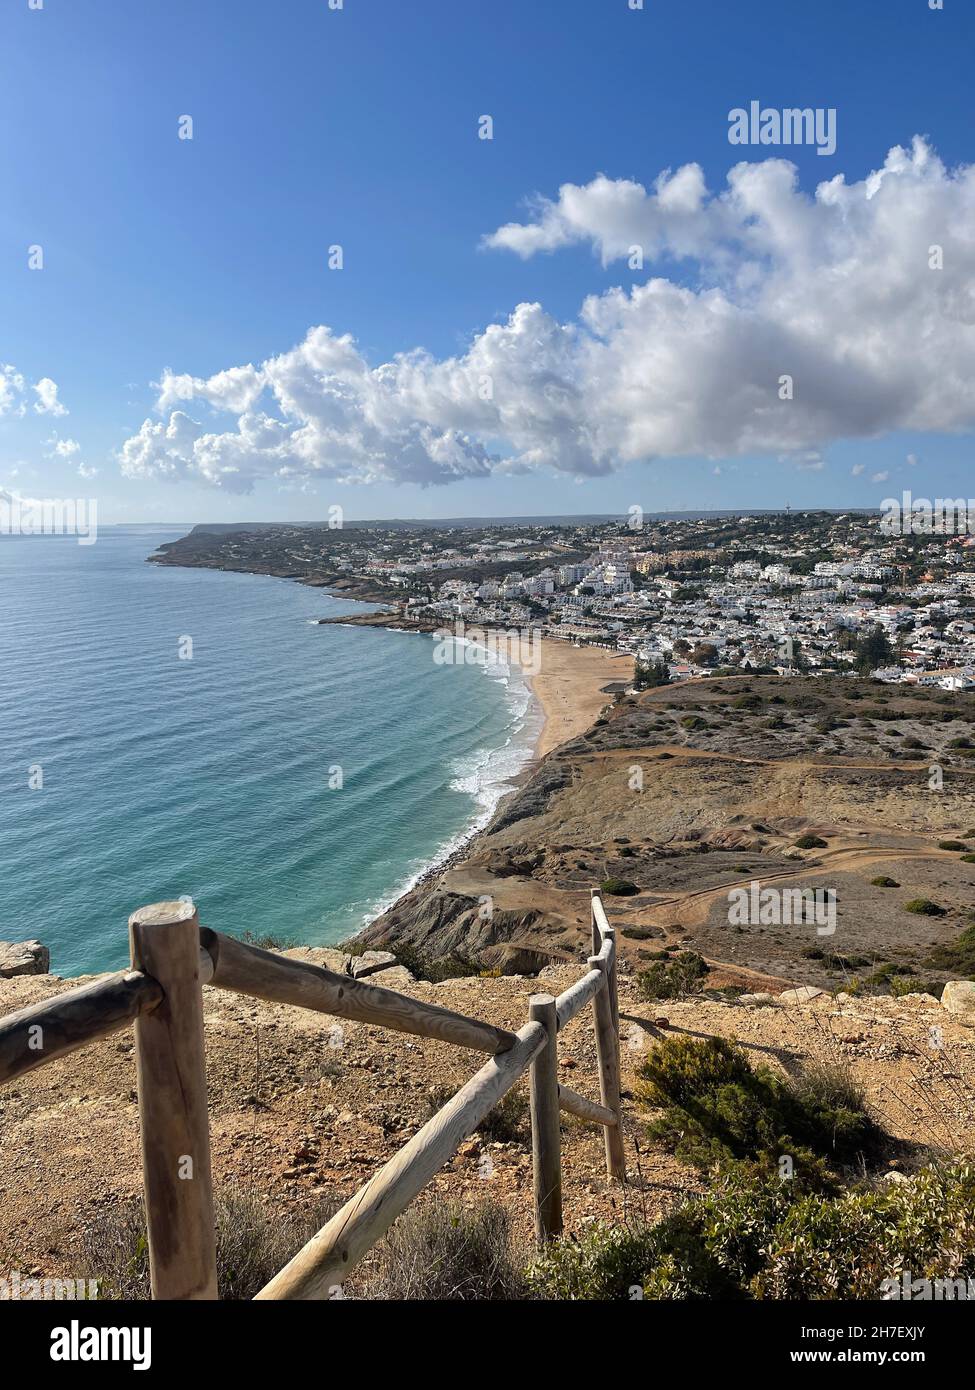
543,1086
608,1057
171,1069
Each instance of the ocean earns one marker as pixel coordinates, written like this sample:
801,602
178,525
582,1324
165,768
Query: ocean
171,732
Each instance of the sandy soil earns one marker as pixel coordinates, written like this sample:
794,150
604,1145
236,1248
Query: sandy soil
569,688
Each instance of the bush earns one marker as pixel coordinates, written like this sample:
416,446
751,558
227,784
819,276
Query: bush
269,941
952,844
810,842
442,1250
507,1123
434,969
673,976
925,907
642,933
715,1107
958,957
754,1237
968,859
884,881
618,887
255,1240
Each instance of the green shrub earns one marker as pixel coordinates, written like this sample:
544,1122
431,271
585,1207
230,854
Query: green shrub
714,1106
968,859
672,977
618,887
754,1237
642,933
958,957
925,907
434,969
270,941
952,845
810,842
884,881
693,722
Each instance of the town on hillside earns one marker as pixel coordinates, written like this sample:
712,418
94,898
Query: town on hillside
791,593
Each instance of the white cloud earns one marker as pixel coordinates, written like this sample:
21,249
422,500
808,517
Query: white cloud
85,470
880,477
62,448
12,386
47,402
810,462
857,469
832,289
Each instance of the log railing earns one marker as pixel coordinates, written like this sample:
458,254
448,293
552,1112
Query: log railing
172,958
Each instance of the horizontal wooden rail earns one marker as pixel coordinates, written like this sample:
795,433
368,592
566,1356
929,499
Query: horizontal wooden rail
574,1104
577,996
57,1026
247,969
327,1259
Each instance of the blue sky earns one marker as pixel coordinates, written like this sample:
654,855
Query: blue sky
359,127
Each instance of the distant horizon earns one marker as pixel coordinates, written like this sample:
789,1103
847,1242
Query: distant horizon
554,519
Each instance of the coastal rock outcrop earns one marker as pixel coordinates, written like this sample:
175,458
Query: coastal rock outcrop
440,926
23,958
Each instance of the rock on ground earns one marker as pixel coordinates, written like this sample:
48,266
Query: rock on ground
958,998
23,958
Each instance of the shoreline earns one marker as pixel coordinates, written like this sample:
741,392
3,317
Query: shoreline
568,691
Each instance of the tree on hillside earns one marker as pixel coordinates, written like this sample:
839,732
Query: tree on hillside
704,654
650,674
873,651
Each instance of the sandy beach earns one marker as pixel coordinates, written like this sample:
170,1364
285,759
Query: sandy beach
569,688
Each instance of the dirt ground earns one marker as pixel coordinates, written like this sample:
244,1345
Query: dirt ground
300,1114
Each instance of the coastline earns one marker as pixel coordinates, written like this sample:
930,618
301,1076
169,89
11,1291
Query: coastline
567,693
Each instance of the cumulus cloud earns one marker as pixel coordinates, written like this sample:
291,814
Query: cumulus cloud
12,388
14,394
833,291
47,402
62,448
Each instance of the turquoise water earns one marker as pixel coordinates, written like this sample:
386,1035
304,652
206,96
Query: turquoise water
210,777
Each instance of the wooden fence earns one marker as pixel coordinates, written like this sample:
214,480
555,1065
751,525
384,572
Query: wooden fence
172,958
